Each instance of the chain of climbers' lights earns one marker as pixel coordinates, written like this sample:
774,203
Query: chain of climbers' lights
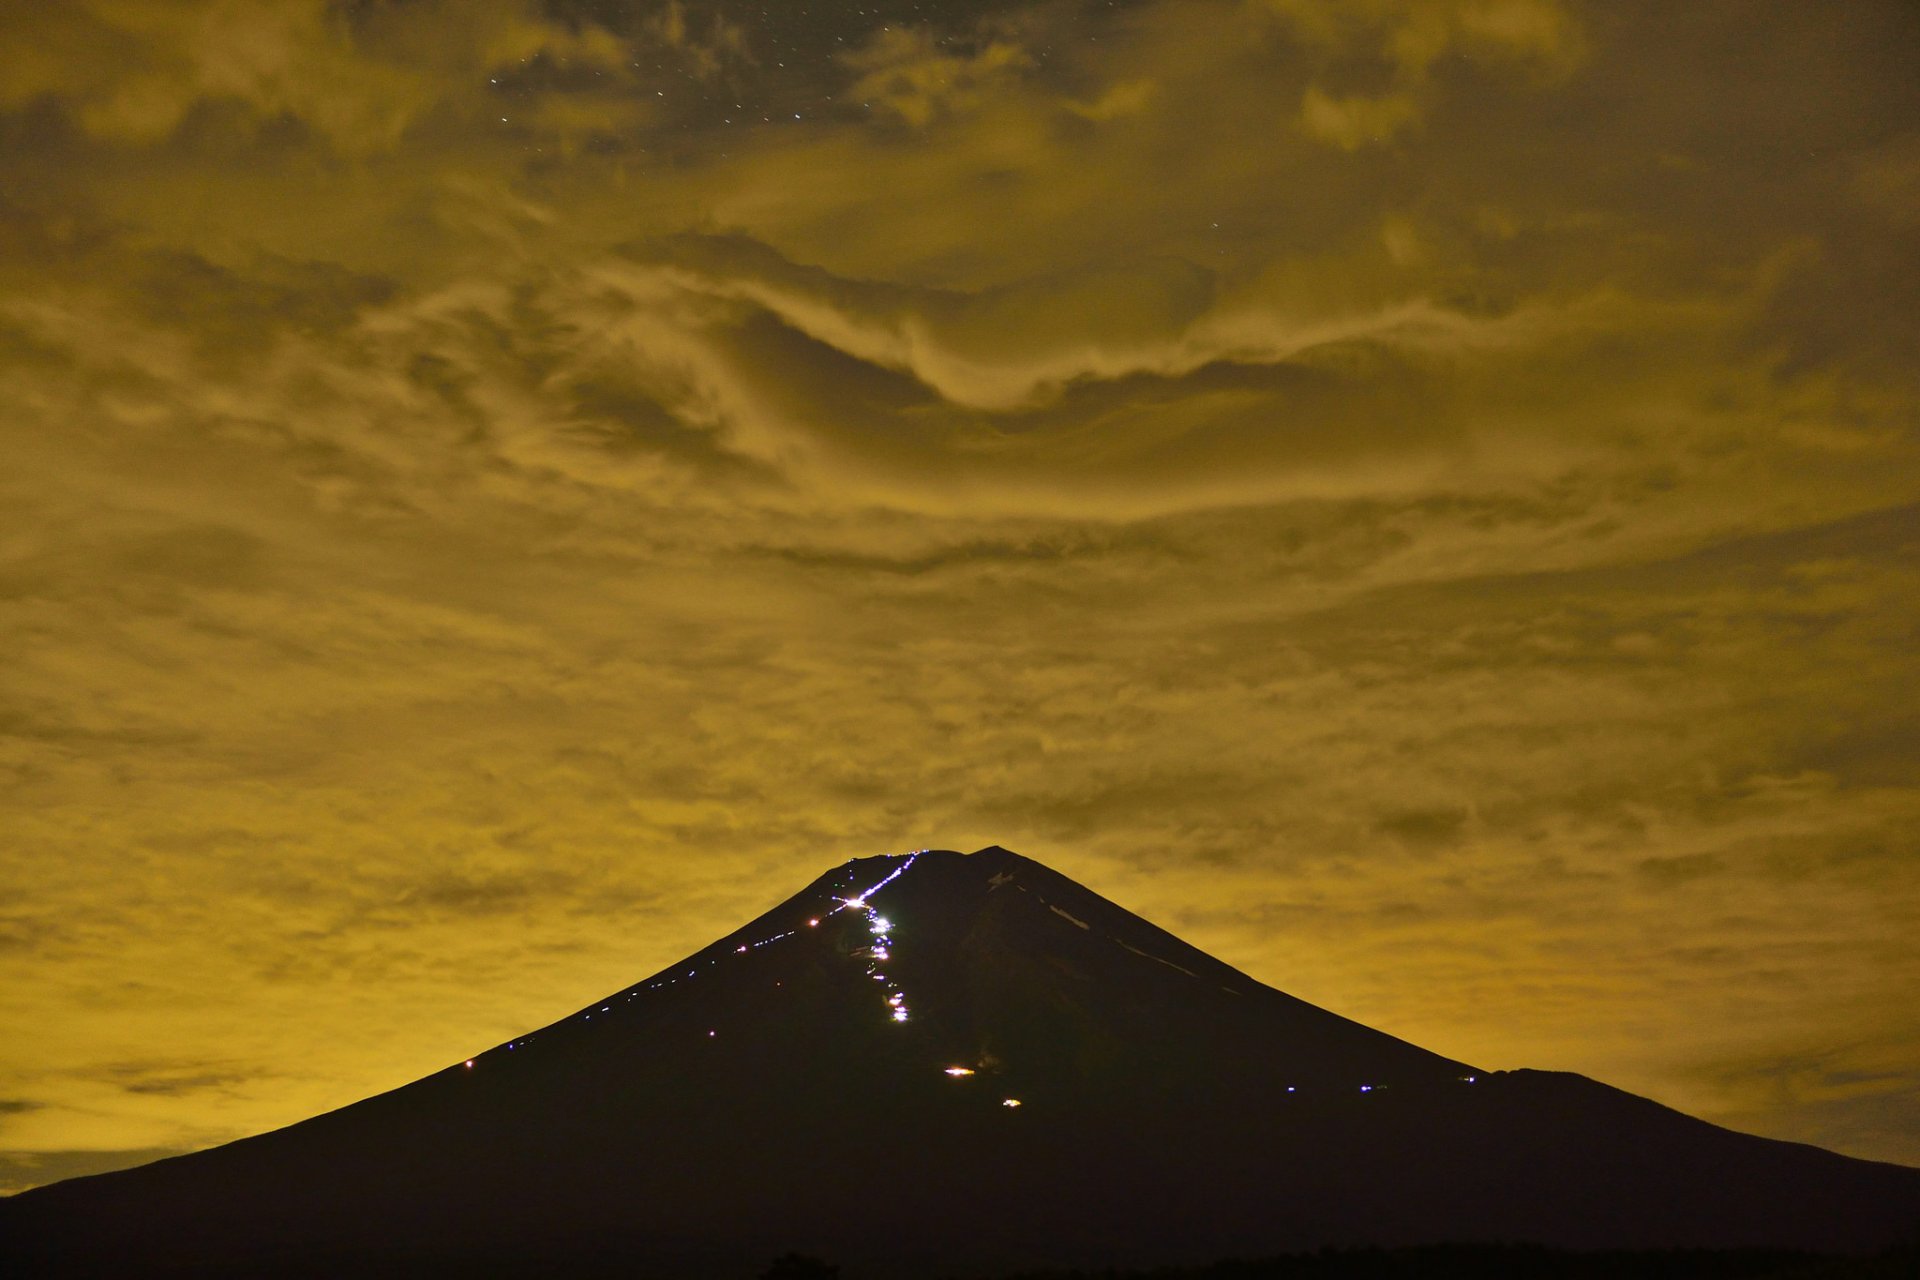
742,949
880,950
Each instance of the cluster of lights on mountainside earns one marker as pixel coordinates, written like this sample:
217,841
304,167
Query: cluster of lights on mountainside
875,954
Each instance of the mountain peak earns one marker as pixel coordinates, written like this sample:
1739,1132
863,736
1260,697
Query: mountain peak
995,852
1004,1068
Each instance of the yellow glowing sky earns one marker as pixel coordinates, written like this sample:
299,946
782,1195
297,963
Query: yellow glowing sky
1419,497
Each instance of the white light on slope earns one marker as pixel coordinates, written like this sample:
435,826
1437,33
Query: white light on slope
882,929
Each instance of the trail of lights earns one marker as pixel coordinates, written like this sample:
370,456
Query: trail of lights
860,900
881,948
877,952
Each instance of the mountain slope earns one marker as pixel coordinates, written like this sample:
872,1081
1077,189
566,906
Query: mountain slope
838,1077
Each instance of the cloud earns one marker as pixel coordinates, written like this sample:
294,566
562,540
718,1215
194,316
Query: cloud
905,71
1121,99
355,78
1398,45
188,1083
1020,345
721,48
1350,122
132,74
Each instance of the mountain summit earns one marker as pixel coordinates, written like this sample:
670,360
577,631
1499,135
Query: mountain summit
943,1063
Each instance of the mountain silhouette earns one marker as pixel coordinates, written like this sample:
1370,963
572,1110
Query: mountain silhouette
943,1064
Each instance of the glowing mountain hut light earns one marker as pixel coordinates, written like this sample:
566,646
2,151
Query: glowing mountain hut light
959,1071
1009,1102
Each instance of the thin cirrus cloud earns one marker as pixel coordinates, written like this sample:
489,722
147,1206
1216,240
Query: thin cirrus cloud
1417,497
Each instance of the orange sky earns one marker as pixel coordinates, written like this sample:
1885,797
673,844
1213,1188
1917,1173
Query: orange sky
1419,497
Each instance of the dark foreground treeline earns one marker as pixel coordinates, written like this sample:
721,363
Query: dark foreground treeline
1480,1262
1525,1262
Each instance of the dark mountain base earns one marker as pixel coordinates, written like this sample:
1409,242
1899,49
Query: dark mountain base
1423,1262
1522,1262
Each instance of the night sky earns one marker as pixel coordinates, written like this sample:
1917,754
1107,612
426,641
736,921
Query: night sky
1419,497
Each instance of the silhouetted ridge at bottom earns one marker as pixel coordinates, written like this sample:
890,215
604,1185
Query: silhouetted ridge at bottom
938,1064
1512,1262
